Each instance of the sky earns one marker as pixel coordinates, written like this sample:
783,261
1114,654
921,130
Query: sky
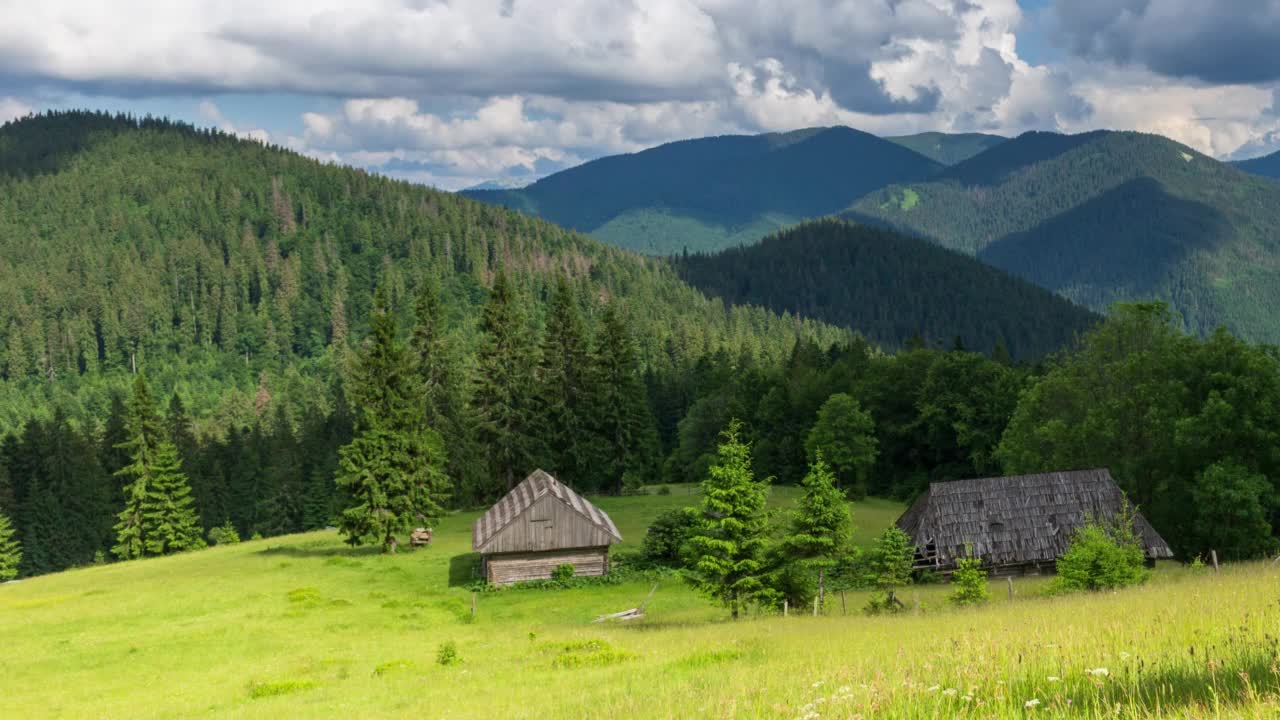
451,93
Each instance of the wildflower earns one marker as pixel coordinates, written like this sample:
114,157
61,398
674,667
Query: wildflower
817,684
967,698
844,689
949,691
1124,656
1030,703
933,688
1101,672
1054,678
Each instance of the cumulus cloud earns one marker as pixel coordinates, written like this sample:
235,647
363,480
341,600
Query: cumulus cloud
452,92
1228,42
12,108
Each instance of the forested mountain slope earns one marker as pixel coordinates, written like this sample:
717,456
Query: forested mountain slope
1268,165
948,148
711,193
1108,216
892,288
146,243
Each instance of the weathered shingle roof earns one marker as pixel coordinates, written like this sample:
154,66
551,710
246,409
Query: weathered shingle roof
1014,520
523,496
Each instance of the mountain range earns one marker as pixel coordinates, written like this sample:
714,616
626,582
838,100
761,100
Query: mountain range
1267,166
1097,217
1107,216
716,192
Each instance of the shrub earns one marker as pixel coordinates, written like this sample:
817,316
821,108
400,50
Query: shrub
632,483
563,573
278,687
224,534
447,654
1102,556
970,583
667,535
664,490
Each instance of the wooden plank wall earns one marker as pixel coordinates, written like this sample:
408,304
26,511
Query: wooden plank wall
548,524
518,567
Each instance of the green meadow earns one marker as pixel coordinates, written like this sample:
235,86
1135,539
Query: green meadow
304,627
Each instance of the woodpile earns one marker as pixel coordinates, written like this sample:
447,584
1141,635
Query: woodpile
420,537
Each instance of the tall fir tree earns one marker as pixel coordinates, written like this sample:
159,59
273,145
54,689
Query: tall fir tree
441,377
727,544
566,391
393,469
158,516
10,550
822,525
628,435
504,392
169,519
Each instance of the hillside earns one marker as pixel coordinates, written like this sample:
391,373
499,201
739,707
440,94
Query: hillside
711,193
208,261
890,287
1267,166
303,627
948,148
1108,216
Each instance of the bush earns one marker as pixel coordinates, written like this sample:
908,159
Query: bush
667,535
1102,556
664,490
447,654
632,483
970,583
224,534
563,573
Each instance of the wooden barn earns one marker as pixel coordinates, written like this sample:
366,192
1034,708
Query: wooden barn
537,527
1015,524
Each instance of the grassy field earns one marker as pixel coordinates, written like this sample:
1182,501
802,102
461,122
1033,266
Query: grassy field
303,627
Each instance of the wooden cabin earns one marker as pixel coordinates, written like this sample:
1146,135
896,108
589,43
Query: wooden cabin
538,526
1016,525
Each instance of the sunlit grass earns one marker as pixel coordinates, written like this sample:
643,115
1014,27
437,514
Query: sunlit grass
303,627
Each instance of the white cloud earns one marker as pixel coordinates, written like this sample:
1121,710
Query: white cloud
12,108
454,92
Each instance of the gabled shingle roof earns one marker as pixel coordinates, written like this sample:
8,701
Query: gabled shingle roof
523,496
1020,519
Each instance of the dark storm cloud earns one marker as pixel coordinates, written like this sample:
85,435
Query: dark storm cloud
1223,42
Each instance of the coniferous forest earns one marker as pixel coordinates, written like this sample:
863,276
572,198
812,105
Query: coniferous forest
205,336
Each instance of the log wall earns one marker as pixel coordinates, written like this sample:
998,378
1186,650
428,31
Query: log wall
506,568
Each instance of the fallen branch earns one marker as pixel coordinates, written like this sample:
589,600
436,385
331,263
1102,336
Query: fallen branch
632,614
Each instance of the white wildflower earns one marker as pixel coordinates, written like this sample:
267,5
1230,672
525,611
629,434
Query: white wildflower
1030,703
817,684
1054,678
933,688
950,691
1124,656
1099,672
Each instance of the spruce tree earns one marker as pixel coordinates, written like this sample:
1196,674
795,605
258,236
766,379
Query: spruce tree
441,379
727,544
158,515
393,469
504,390
10,550
565,392
822,526
623,420
169,519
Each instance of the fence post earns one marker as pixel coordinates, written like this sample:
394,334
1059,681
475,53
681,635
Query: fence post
784,607
1214,554
473,604
1010,579
842,607
815,606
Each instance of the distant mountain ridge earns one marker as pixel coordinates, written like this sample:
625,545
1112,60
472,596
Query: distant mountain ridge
1107,216
1267,165
716,192
948,148
891,288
